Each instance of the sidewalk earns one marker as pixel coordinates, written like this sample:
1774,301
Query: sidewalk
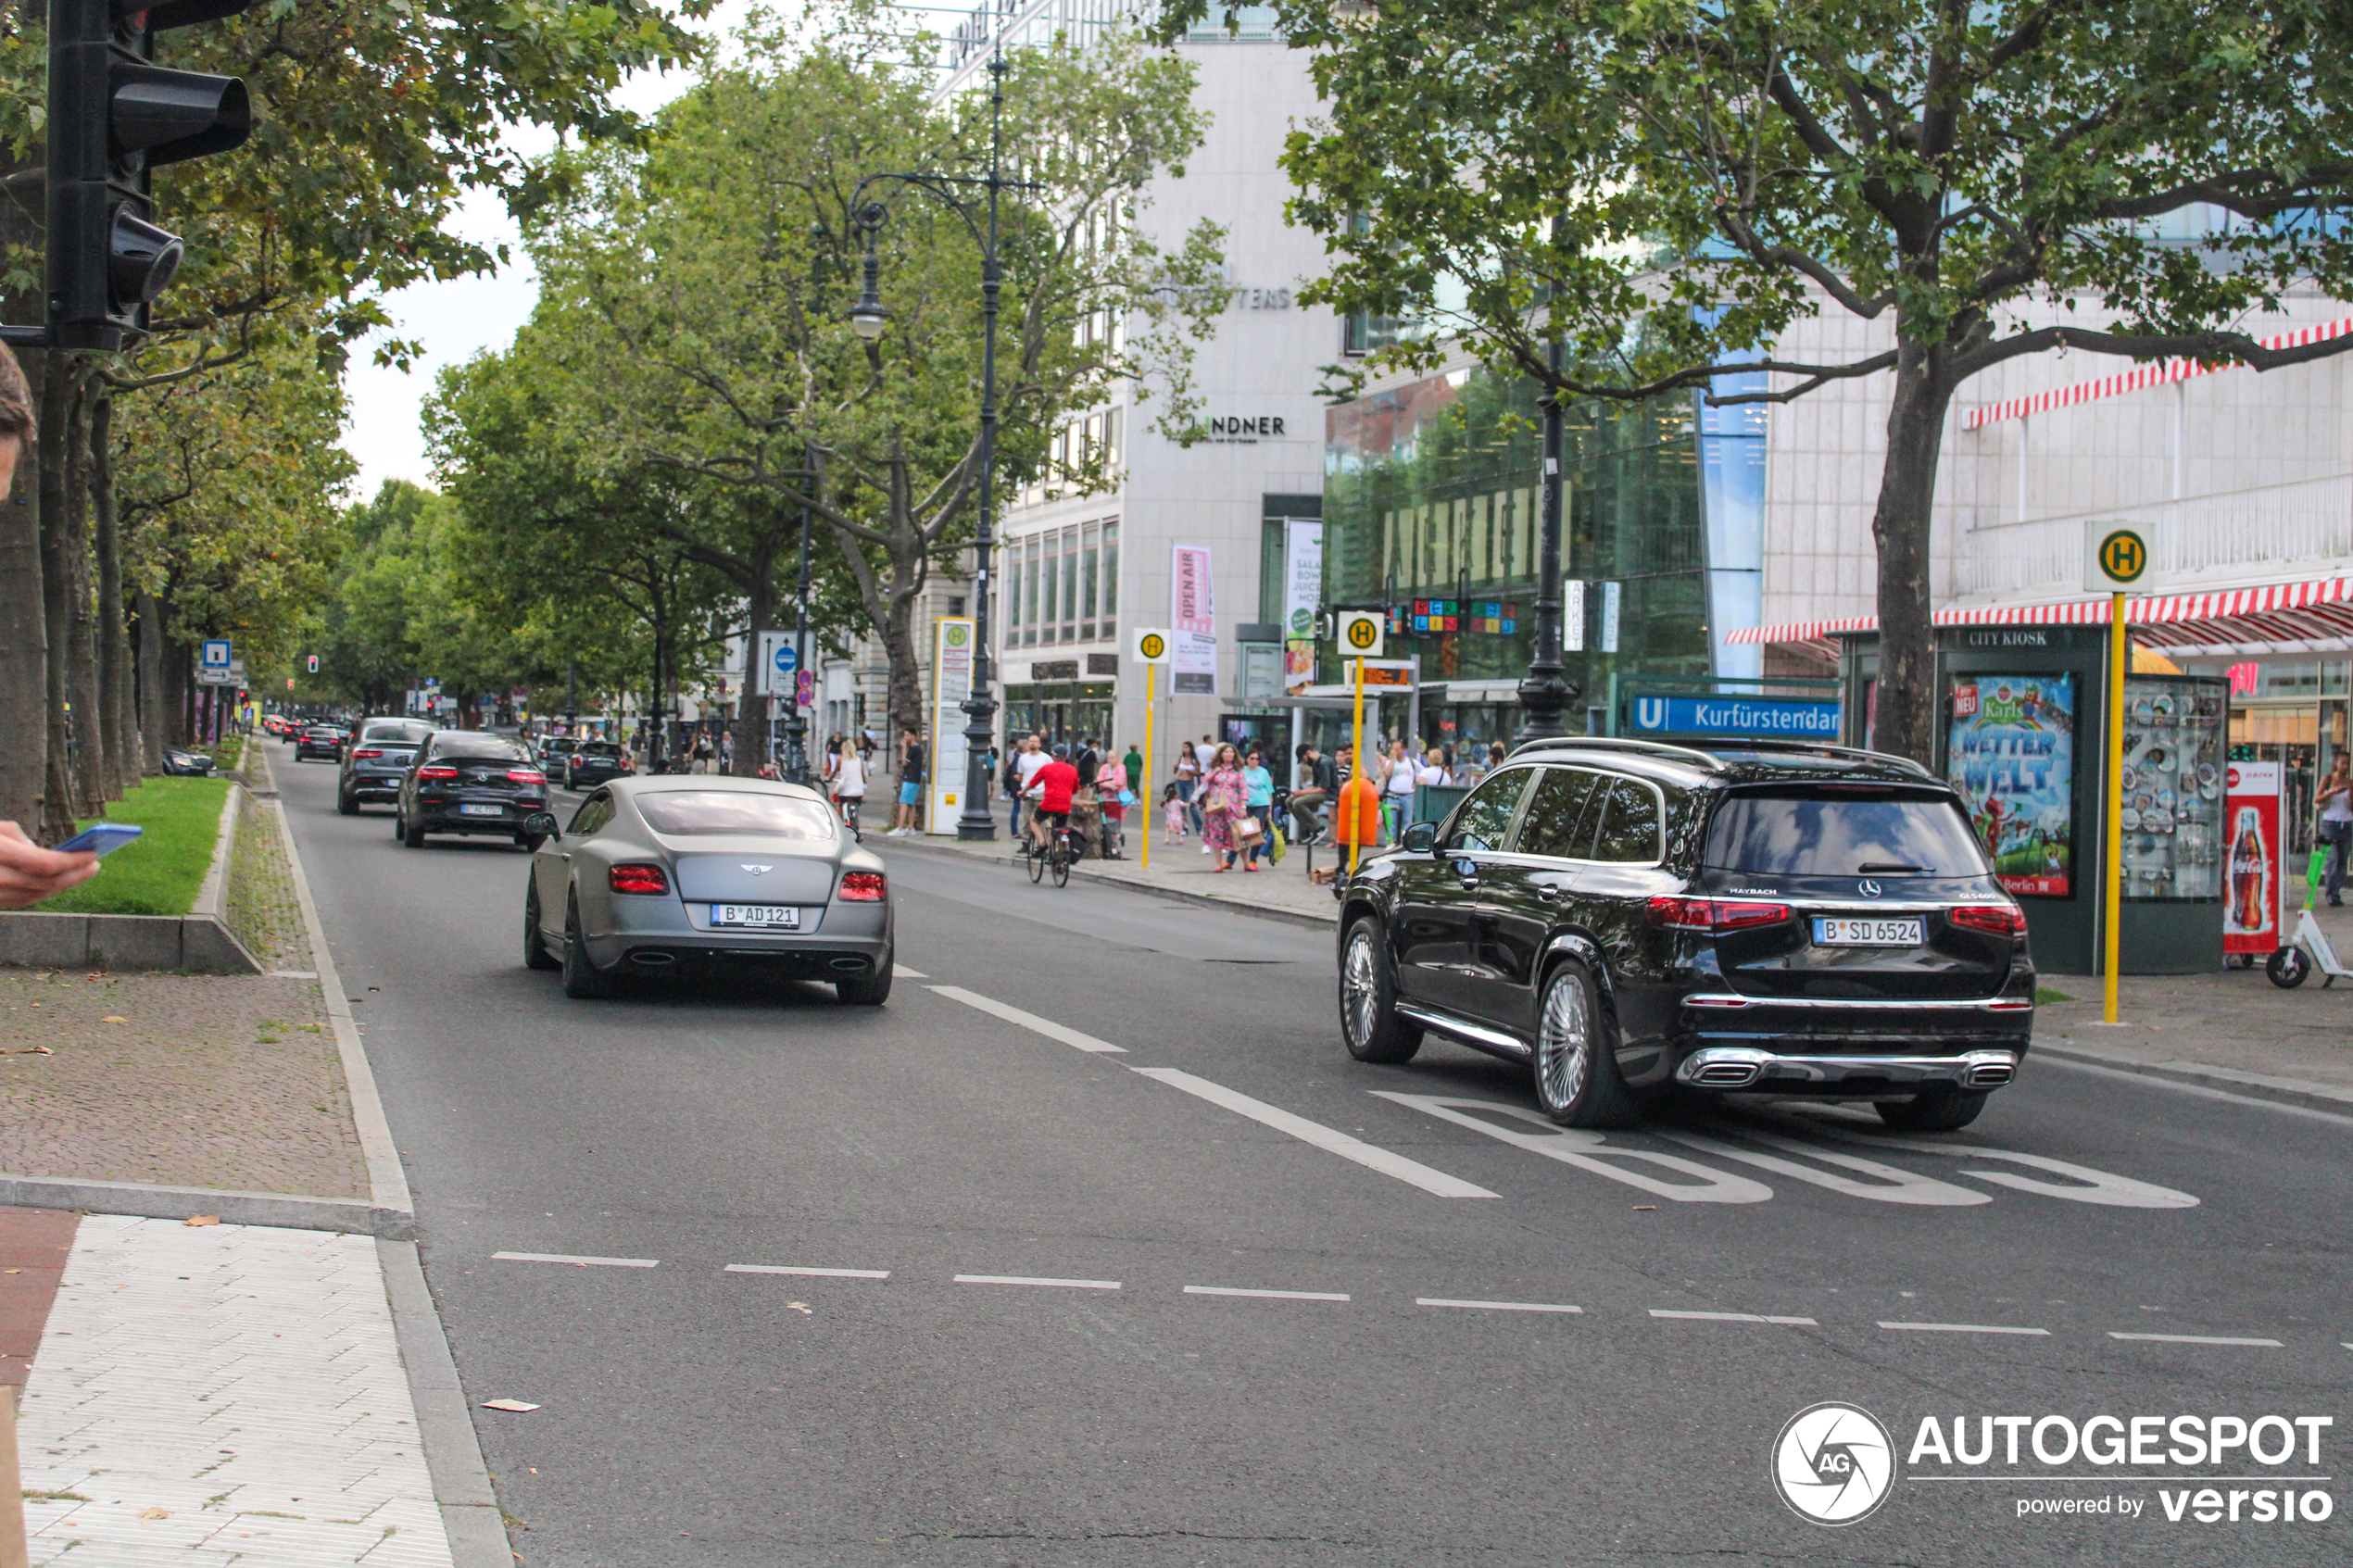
211,1298
1180,871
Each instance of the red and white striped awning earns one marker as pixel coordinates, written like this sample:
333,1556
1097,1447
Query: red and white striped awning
2157,373
2275,618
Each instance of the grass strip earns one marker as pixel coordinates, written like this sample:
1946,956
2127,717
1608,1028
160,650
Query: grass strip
160,873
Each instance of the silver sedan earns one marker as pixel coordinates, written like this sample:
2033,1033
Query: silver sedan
682,875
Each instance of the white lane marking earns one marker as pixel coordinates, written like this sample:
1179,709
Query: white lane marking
1412,1172
1025,1279
900,972
578,1259
1264,1294
1587,1150
1732,1317
1028,1020
818,1274
2196,1339
1888,1185
2099,1186
1494,1306
1962,1328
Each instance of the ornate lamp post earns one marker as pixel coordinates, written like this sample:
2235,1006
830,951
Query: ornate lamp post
1546,692
869,319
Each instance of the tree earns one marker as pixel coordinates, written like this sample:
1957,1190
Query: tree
700,290
1621,198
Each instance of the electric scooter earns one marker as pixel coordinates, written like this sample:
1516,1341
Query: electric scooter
2308,946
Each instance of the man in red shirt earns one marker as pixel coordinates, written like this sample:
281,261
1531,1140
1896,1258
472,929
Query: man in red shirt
1051,787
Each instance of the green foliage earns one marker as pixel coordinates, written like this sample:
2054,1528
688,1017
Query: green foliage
161,872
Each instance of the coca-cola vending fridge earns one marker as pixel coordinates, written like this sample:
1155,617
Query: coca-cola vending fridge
2253,890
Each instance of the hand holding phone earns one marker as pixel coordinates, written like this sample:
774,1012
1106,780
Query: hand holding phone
30,873
100,838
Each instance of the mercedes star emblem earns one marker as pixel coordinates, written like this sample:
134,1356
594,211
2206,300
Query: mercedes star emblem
1868,888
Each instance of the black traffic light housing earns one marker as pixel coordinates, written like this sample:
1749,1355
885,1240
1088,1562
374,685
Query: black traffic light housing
114,116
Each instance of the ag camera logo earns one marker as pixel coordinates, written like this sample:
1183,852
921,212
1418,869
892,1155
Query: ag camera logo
1833,1464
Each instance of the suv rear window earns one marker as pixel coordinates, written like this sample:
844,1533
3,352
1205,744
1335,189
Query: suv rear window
694,813
598,748
399,734
491,747
1815,831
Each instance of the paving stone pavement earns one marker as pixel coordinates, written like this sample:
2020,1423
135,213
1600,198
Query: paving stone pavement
223,1394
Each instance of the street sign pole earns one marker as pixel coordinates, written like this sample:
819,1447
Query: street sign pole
1356,749
2115,557
1144,794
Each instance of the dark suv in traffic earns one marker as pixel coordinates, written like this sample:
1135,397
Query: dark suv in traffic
472,781
1630,918
377,759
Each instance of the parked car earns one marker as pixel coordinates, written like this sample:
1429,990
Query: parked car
707,876
177,759
321,741
593,762
376,761
1630,918
468,783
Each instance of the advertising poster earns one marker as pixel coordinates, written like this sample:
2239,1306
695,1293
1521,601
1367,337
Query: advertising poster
951,682
1192,618
2012,758
1302,596
2251,821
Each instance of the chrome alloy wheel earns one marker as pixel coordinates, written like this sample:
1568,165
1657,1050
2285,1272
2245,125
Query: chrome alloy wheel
1564,1042
1359,988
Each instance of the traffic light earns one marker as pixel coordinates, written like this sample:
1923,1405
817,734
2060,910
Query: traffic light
314,664
114,116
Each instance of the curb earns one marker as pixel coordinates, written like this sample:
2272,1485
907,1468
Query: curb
2254,1086
287,1212
197,943
470,1517
1176,895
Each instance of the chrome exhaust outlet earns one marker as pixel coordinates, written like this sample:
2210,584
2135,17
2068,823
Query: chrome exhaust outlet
653,959
1990,1070
1723,1067
848,965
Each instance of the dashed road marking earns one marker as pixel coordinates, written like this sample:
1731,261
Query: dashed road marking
1026,1279
1494,1306
577,1260
900,972
817,1273
1028,1020
1732,1317
1264,1294
1412,1172
2198,1339
1962,1328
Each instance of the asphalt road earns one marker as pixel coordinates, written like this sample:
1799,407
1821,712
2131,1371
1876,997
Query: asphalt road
1702,1281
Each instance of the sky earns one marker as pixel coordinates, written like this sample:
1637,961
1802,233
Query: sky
455,320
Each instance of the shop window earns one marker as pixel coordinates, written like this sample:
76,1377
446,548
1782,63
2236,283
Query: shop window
1091,541
1111,574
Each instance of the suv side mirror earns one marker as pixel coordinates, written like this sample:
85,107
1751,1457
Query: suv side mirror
542,825
1420,838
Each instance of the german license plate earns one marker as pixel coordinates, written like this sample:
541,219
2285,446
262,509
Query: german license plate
1880,931
771,917
482,810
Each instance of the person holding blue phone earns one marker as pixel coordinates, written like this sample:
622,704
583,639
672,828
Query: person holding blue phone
30,873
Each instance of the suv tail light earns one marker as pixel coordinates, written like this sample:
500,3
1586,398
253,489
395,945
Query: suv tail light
1714,914
863,887
437,771
365,751
526,775
1995,919
637,876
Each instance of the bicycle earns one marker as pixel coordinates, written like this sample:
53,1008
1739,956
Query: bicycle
1055,855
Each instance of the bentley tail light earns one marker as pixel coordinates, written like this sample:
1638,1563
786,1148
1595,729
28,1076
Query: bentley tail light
637,876
864,887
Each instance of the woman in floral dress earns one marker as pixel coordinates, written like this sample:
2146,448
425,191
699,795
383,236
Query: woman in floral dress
1221,798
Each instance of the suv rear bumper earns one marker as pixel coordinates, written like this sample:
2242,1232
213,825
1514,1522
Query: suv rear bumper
1753,1067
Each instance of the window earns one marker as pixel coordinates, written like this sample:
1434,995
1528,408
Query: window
703,813
1029,592
1053,547
1111,418
1483,819
1631,828
477,747
1110,573
1557,824
594,813
1808,832
1070,584
1088,581
1010,594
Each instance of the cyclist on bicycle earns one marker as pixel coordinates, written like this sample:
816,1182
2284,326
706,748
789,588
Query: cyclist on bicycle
1051,788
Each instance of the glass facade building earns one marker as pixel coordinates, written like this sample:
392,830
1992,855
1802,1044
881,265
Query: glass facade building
1432,502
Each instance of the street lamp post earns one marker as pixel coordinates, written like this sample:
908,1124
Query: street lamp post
974,823
1546,692
796,727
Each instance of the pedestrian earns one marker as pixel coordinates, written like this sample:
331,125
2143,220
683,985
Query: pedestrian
1088,761
1176,812
1033,759
1222,801
703,750
1111,788
2335,799
727,749
1134,763
1397,778
850,788
1312,787
1008,779
911,784
1258,793
1188,783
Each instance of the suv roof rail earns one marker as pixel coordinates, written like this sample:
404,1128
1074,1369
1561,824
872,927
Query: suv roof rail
1823,748
1622,743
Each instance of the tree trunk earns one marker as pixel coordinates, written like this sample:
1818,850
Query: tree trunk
24,654
906,669
153,705
93,768
179,707
751,708
1906,703
56,596
115,685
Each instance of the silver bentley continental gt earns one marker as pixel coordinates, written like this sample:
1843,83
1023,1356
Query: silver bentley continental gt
680,874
